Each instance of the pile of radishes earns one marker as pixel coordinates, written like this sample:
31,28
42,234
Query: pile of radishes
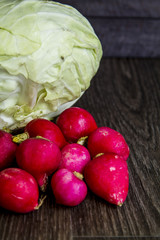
71,155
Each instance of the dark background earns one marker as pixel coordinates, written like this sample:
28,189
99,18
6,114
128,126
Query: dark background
124,95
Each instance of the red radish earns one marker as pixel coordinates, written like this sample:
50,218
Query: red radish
68,188
76,123
40,157
104,140
74,157
107,176
47,129
7,150
19,190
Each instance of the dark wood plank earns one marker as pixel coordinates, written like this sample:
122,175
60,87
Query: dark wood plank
128,37
117,8
123,95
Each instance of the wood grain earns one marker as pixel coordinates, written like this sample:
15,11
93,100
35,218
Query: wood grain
124,95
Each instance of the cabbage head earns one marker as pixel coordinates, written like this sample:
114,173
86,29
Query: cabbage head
49,53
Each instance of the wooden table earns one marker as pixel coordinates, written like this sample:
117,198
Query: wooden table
124,95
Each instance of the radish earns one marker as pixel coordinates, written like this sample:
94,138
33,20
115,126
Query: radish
7,150
107,176
75,123
46,129
19,190
74,157
104,140
40,157
68,188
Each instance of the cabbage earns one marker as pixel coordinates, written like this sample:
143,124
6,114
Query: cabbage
49,53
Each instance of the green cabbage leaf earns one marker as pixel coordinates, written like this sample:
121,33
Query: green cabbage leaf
49,53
